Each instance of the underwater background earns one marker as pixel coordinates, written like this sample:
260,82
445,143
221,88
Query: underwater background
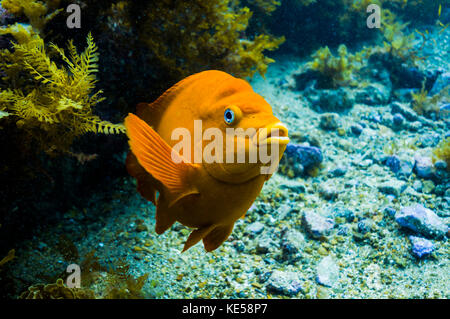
359,207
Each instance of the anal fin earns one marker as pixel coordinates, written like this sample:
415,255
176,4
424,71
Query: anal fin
196,236
164,220
217,236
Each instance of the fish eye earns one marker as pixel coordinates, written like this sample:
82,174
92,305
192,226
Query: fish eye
229,116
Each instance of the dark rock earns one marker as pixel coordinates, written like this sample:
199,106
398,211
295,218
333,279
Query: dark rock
393,162
390,211
330,100
405,110
373,94
443,81
307,156
398,120
356,129
441,165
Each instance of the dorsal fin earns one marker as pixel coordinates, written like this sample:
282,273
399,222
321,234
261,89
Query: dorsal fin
151,113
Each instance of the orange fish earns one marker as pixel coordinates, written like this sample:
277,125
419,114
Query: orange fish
208,196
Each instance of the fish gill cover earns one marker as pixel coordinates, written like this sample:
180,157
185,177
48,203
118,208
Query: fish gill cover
359,207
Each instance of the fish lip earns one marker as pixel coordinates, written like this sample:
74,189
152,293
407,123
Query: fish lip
265,137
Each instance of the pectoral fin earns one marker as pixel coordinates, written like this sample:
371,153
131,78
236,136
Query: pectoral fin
159,159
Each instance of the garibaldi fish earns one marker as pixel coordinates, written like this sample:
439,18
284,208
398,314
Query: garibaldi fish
207,196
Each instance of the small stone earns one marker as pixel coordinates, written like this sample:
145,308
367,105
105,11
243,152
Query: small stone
317,225
420,246
423,167
141,228
327,272
338,171
328,192
356,129
330,100
239,246
293,185
421,220
347,214
428,187
405,110
264,245
393,162
390,211
393,187
415,126
255,228
288,283
292,243
329,121
418,186
307,156
440,165
398,119
366,225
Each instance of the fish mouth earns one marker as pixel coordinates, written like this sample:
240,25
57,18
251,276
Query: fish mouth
276,133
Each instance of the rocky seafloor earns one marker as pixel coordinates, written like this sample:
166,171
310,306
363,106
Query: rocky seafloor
371,223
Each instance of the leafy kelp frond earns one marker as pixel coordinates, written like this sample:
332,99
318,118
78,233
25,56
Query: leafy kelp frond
55,104
205,35
442,152
35,11
337,70
426,105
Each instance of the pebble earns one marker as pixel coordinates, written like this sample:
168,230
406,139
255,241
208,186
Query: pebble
423,167
330,100
288,283
307,156
392,187
421,220
339,171
428,187
328,192
443,81
317,225
293,185
420,246
255,228
292,242
390,211
329,121
264,245
356,129
398,166
327,272
405,110
440,165
418,186
366,225
398,120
